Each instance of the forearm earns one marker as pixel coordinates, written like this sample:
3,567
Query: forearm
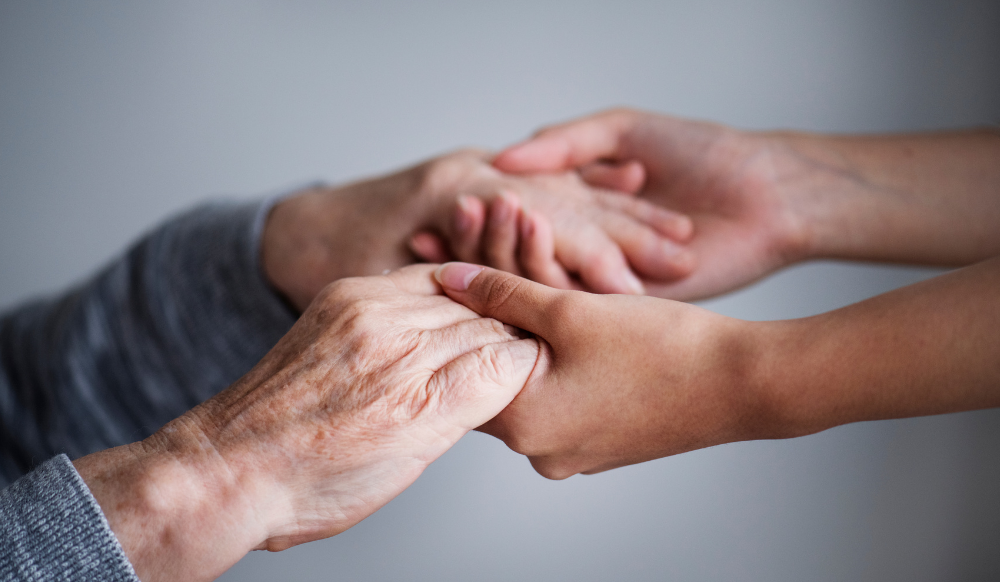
930,348
928,199
179,512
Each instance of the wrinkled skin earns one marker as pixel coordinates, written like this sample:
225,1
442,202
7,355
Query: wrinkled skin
378,378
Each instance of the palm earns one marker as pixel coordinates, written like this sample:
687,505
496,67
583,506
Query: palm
721,180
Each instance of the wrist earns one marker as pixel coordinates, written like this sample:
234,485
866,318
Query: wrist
800,174
745,357
177,508
783,380
836,199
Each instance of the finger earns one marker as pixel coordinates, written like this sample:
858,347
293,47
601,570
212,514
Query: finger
429,247
570,145
675,225
443,344
413,279
648,252
537,253
628,177
492,293
599,262
499,242
475,387
467,227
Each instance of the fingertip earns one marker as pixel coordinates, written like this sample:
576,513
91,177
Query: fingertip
428,247
456,276
683,228
633,176
631,282
462,218
534,155
526,224
624,178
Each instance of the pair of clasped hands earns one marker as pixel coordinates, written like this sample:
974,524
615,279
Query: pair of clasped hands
556,347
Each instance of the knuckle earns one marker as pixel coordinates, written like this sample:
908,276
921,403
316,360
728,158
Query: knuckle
449,171
341,292
499,290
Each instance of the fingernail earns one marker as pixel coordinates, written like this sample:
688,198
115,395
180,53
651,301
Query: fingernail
462,220
684,228
501,209
633,283
457,276
527,225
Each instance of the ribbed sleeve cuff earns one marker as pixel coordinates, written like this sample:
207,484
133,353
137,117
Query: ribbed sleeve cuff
51,528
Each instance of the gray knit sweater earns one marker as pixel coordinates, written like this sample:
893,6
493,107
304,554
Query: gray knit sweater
183,314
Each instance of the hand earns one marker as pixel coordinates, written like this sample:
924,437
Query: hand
745,226
557,230
324,234
368,227
620,379
378,378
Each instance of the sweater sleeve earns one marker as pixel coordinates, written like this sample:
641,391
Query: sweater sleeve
51,528
183,314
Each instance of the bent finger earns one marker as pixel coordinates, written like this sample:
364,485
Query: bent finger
499,242
442,345
467,228
537,253
650,253
476,386
673,224
428,246
598,261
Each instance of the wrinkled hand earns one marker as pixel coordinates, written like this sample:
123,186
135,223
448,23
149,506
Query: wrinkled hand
745,226
378,378
620,379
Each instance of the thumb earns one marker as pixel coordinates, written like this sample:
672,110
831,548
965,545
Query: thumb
570,145
498,294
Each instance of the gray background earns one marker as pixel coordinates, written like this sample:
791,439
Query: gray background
113,116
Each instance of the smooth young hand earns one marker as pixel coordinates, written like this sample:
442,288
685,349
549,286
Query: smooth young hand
762,200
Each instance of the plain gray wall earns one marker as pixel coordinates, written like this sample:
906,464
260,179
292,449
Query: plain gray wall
114,115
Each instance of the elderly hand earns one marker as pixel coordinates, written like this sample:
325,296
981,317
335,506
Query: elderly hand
727,181
378,378
620,379
324,234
